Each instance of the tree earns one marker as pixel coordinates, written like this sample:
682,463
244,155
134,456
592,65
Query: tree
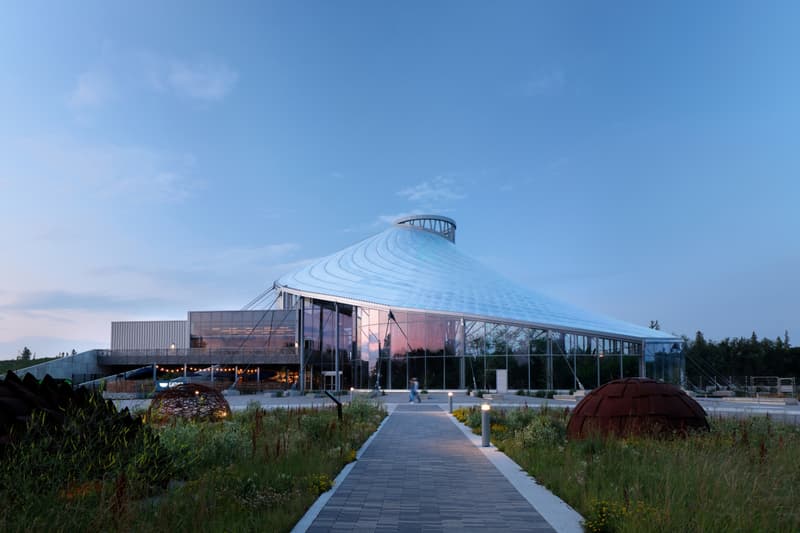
655,325
25,354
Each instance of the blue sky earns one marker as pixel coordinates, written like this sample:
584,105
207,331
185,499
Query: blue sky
637,159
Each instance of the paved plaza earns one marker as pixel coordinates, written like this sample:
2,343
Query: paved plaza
421,473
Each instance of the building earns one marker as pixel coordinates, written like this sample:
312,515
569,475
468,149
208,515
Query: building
403,303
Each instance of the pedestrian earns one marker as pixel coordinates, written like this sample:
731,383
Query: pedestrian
413,393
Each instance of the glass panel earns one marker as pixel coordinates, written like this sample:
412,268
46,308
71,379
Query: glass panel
452,370
434,371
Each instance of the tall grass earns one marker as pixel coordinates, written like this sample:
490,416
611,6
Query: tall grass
742,476
258,471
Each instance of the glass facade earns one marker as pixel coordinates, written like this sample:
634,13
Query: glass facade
268,331
383,349
665,361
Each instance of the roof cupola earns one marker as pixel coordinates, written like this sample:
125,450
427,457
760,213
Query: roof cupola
446,227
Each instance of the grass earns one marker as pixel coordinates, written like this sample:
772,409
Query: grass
16,364
742,476
258,471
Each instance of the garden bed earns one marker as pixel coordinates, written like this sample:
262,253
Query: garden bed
741,476
258,471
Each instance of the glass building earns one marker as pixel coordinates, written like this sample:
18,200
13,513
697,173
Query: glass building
406,303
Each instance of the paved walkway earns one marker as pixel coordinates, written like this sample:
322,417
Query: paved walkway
421,473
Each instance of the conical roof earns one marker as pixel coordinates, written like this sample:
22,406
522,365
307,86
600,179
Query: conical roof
416,269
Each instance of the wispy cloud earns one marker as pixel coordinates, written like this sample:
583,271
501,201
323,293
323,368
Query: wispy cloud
545,82
206,266
92,89
438,189
133,172
389,219
209,82
88,301
202,80
248,257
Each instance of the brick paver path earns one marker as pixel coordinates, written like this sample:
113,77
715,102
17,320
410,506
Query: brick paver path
421,473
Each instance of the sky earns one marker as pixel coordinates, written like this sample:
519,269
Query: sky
637,159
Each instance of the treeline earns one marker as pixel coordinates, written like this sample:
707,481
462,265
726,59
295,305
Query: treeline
742,357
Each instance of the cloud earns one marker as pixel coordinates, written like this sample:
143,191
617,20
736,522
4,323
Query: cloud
43,346
507,187
207,268
389,219
245,257
104,170
438,189
207,82
87,301
545,82
92,89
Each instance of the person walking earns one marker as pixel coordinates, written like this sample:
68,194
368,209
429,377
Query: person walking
413,393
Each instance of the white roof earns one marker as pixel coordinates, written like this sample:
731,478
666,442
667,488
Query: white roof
408,268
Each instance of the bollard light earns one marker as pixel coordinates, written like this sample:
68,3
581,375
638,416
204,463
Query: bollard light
450,401
485,427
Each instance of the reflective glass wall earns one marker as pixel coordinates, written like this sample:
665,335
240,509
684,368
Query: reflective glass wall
410,345
321,321
379,348
665,361
269,331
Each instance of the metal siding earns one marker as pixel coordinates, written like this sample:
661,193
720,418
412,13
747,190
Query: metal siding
143,335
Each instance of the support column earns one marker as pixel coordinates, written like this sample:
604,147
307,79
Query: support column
301,343
642,364
597,357
388,356
574,368
355,356
338,384
462,366
529,365
549,376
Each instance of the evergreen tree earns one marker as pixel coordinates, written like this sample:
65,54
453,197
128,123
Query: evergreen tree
25,354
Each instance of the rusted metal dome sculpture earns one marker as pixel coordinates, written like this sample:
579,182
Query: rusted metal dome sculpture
191,401
636,406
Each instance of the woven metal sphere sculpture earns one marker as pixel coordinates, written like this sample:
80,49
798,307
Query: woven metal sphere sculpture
190,401
636,406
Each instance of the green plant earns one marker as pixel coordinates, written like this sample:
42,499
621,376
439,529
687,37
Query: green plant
733,478
257,471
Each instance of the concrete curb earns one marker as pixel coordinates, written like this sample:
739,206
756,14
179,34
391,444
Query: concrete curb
556,511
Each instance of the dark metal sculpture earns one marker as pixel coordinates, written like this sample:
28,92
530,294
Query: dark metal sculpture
191,401
56,399
636,406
